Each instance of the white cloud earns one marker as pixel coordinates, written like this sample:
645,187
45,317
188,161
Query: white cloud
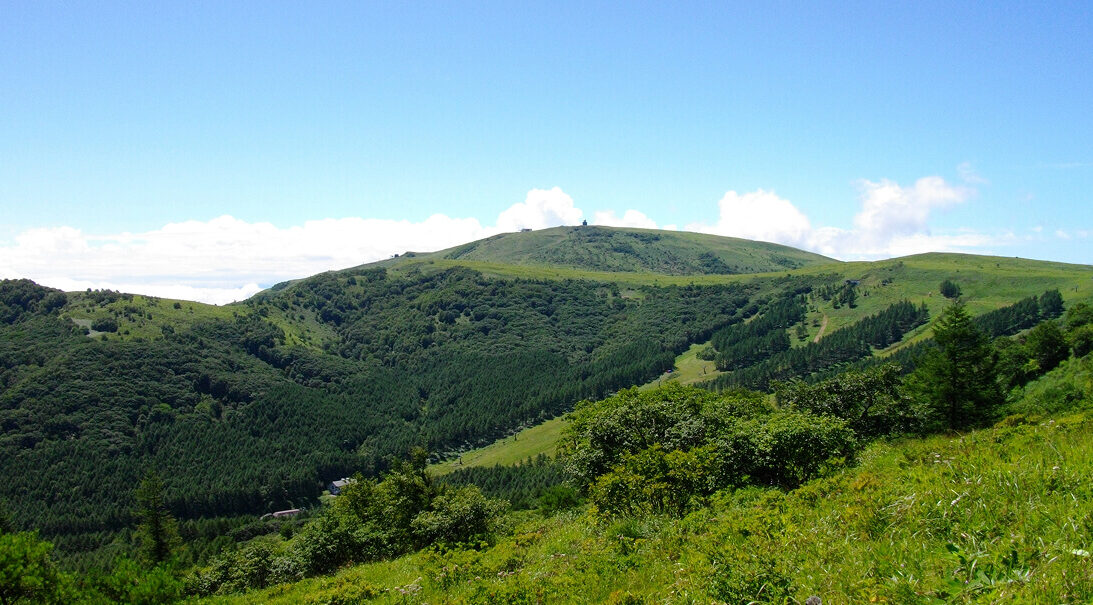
226,259
222,259
630,218
1059,233
543,208
759,215
893,220
889,209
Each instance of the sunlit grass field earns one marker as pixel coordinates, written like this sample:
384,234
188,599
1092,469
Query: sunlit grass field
528,443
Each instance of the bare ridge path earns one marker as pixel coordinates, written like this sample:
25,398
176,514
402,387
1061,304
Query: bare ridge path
823,326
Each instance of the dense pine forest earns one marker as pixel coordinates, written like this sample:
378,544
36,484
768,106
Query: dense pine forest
121,414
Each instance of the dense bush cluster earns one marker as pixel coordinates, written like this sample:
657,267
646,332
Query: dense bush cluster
662,451
371,519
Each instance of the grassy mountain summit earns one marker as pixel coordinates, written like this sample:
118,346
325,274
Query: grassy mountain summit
617,249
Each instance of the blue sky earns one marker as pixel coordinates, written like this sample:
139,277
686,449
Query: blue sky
182,134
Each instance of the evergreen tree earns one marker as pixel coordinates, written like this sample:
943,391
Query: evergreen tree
1051,304
157,530
957,380
6,525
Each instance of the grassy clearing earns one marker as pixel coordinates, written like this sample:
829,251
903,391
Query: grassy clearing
688,369
509,451
143,316
146,317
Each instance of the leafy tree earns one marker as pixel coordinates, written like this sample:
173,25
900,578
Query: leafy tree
1079,315
1015,367
1048,345
459,515
28,573
105,324
157,530
1081,340
957,380
949,289
871,401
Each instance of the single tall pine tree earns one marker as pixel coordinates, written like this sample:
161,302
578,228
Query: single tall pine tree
157,530
958,380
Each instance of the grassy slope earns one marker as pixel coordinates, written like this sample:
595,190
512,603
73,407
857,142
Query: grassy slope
624,249
689,369
999,515
145,317
528,443
988,282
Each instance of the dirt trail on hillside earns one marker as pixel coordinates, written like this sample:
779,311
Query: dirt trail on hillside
823,326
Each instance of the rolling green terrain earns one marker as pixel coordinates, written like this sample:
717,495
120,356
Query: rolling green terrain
1001,514
633,251
255,407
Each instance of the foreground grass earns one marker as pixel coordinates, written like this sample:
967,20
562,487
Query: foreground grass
999,515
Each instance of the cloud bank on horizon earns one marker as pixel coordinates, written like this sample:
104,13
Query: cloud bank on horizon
227,259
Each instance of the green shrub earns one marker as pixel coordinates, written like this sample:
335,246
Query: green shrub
558,498
870,401
457,515
1081,340
1048,345
949,289
789,448
665,450
105,324
28,573
128,582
